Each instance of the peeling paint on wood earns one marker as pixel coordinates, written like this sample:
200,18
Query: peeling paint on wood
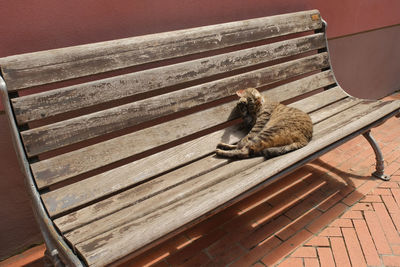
50,103
27,70
77,129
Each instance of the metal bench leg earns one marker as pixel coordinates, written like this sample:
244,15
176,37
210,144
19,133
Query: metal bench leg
380,164
51,259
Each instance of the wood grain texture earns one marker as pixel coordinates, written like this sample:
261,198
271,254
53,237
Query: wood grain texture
50,103
22,71
79,161
324,99
301,86
332,109
138,194
64,166
56,135
106,247
78,194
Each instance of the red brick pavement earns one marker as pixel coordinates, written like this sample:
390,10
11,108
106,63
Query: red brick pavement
328,213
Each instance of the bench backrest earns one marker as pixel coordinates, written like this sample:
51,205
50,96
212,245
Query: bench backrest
127,110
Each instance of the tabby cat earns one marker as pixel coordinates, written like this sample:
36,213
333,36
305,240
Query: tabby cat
275,128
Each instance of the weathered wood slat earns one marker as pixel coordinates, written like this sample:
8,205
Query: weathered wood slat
138,233
22,71
320,100
67,165
77,129
74,195
332,109
50,103
138,193
302,86
147,190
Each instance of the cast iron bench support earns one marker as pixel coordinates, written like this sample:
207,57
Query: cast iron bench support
380,163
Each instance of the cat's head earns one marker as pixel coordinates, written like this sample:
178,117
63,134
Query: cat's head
250,102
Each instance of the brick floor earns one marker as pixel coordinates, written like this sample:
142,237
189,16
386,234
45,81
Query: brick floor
32,258
328,213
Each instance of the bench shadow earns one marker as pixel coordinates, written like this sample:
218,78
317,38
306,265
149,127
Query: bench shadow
344,174
231,135
267,218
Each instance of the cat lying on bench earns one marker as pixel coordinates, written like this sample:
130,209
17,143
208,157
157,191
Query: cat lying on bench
275,128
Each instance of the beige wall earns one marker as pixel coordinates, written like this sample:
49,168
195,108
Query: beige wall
367,64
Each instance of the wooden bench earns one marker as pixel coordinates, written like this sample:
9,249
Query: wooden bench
117,138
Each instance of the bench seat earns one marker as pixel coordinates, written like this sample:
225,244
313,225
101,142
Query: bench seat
117,139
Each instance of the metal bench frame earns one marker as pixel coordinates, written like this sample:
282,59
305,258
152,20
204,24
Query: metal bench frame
58,252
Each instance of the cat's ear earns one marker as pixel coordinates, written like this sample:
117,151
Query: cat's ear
240,93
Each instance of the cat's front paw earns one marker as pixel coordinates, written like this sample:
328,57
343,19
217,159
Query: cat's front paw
226,146
220,152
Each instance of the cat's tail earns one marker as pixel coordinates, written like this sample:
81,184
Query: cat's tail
280,150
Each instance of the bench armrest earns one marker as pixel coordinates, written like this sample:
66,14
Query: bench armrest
54,242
